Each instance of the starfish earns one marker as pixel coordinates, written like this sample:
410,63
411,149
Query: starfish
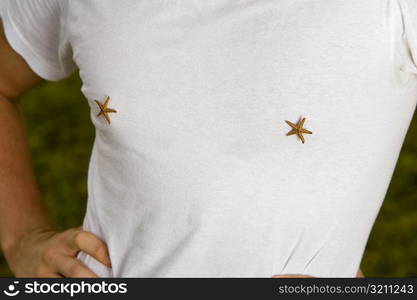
104,110
298,129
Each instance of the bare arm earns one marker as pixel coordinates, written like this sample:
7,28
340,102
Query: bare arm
20,206
27,238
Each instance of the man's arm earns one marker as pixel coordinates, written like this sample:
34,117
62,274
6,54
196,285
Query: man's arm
27,238
20,205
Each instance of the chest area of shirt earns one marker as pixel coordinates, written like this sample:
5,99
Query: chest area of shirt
228,45
230,67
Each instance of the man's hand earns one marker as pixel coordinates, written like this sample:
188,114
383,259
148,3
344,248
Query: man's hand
46,253
292,276
359,274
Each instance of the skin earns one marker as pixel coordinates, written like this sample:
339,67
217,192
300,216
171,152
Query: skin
31,245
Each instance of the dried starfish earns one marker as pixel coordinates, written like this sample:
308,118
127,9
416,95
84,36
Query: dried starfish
298,129
104,110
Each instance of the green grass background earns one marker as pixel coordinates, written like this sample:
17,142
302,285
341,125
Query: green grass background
61,136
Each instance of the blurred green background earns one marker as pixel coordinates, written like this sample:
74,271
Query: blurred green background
60,159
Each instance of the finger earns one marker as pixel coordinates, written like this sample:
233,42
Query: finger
51,275
292,276
93,246
71,267
46,272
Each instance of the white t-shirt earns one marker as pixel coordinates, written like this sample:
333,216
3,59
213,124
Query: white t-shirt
195,175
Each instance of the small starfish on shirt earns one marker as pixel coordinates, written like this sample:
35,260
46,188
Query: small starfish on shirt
104,110
298,129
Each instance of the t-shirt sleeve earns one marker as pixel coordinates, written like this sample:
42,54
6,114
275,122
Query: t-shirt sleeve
409,14
36,29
